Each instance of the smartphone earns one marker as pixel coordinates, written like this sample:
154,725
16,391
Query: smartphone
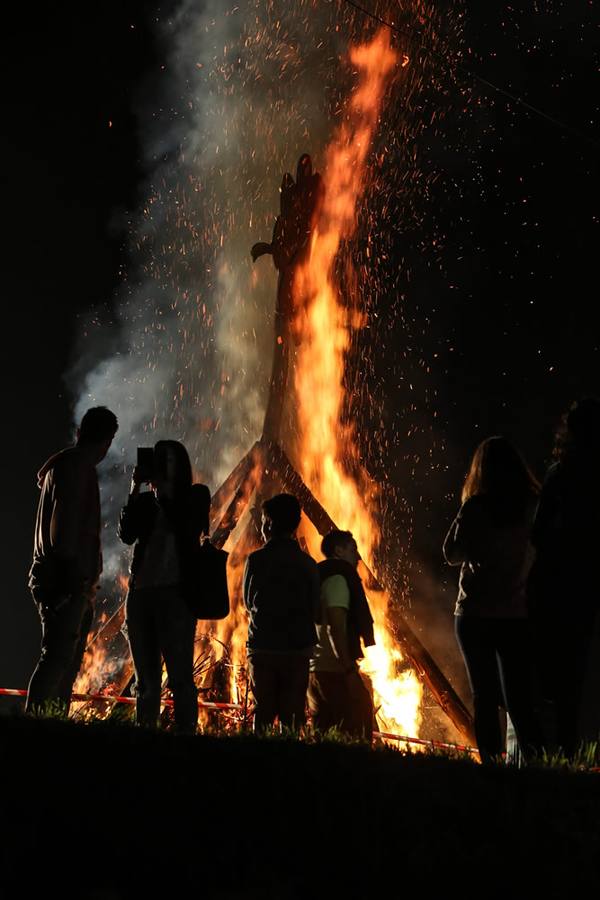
145,463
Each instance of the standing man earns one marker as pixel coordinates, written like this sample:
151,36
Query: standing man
337,695
281,593
67,558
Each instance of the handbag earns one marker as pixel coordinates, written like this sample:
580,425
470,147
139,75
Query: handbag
208,594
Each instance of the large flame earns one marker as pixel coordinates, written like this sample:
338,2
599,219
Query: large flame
323,325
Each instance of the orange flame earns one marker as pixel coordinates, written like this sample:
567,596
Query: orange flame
323,326
99,666
232,631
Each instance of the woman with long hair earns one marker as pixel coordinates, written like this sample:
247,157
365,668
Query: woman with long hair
563,586
490,540
165,524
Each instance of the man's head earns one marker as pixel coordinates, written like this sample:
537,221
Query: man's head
340,545
96,431
280,516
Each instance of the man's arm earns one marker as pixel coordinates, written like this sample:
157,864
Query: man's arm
70,494
128,528
336,597
315,591
67,510
337,618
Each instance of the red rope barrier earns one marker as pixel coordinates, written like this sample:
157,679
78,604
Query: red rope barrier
14,692
440,745
205,704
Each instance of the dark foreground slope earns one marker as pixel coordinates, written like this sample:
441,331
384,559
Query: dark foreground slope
104,811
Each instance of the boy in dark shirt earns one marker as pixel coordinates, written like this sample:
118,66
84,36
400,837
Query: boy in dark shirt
281,593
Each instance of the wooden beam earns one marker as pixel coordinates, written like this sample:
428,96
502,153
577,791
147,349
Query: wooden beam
232,482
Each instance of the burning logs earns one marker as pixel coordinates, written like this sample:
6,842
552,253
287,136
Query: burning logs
281,471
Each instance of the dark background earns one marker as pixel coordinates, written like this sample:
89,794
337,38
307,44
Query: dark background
508,316
68,179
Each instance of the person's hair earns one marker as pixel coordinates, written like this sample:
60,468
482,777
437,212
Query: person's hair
98,424
499,471
579,430
183,466
334,540
284,513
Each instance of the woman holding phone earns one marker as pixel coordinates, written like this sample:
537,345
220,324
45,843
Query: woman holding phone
165,524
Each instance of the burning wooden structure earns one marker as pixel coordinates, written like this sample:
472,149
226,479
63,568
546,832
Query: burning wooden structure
267,469
311,332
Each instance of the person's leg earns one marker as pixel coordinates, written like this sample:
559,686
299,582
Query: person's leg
546,651
65,624
572,659
326,699
515,655
293,684
479,653
142,634
359,715
264,685
177,632
72,671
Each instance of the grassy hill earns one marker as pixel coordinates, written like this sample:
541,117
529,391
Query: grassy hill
108,812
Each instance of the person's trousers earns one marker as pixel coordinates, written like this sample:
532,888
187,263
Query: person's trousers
498,655
66,620
343,701
563,644
279,682
161,626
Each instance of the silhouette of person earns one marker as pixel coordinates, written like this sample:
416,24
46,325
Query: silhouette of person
165,524
281,594
67,557
337,694
490,540
563,586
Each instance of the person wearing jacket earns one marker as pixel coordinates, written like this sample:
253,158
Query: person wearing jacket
67,557
490,540
281,594
165,525
337,694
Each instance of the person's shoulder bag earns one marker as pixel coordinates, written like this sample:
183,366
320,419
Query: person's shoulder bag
208,594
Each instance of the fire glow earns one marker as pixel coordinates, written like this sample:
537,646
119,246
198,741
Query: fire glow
323,325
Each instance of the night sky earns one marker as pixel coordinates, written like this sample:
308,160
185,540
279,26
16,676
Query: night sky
489,311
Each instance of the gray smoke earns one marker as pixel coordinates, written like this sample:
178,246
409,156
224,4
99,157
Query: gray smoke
245,89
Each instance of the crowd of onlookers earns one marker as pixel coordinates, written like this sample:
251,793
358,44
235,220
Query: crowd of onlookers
307,622
528,598
525,614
